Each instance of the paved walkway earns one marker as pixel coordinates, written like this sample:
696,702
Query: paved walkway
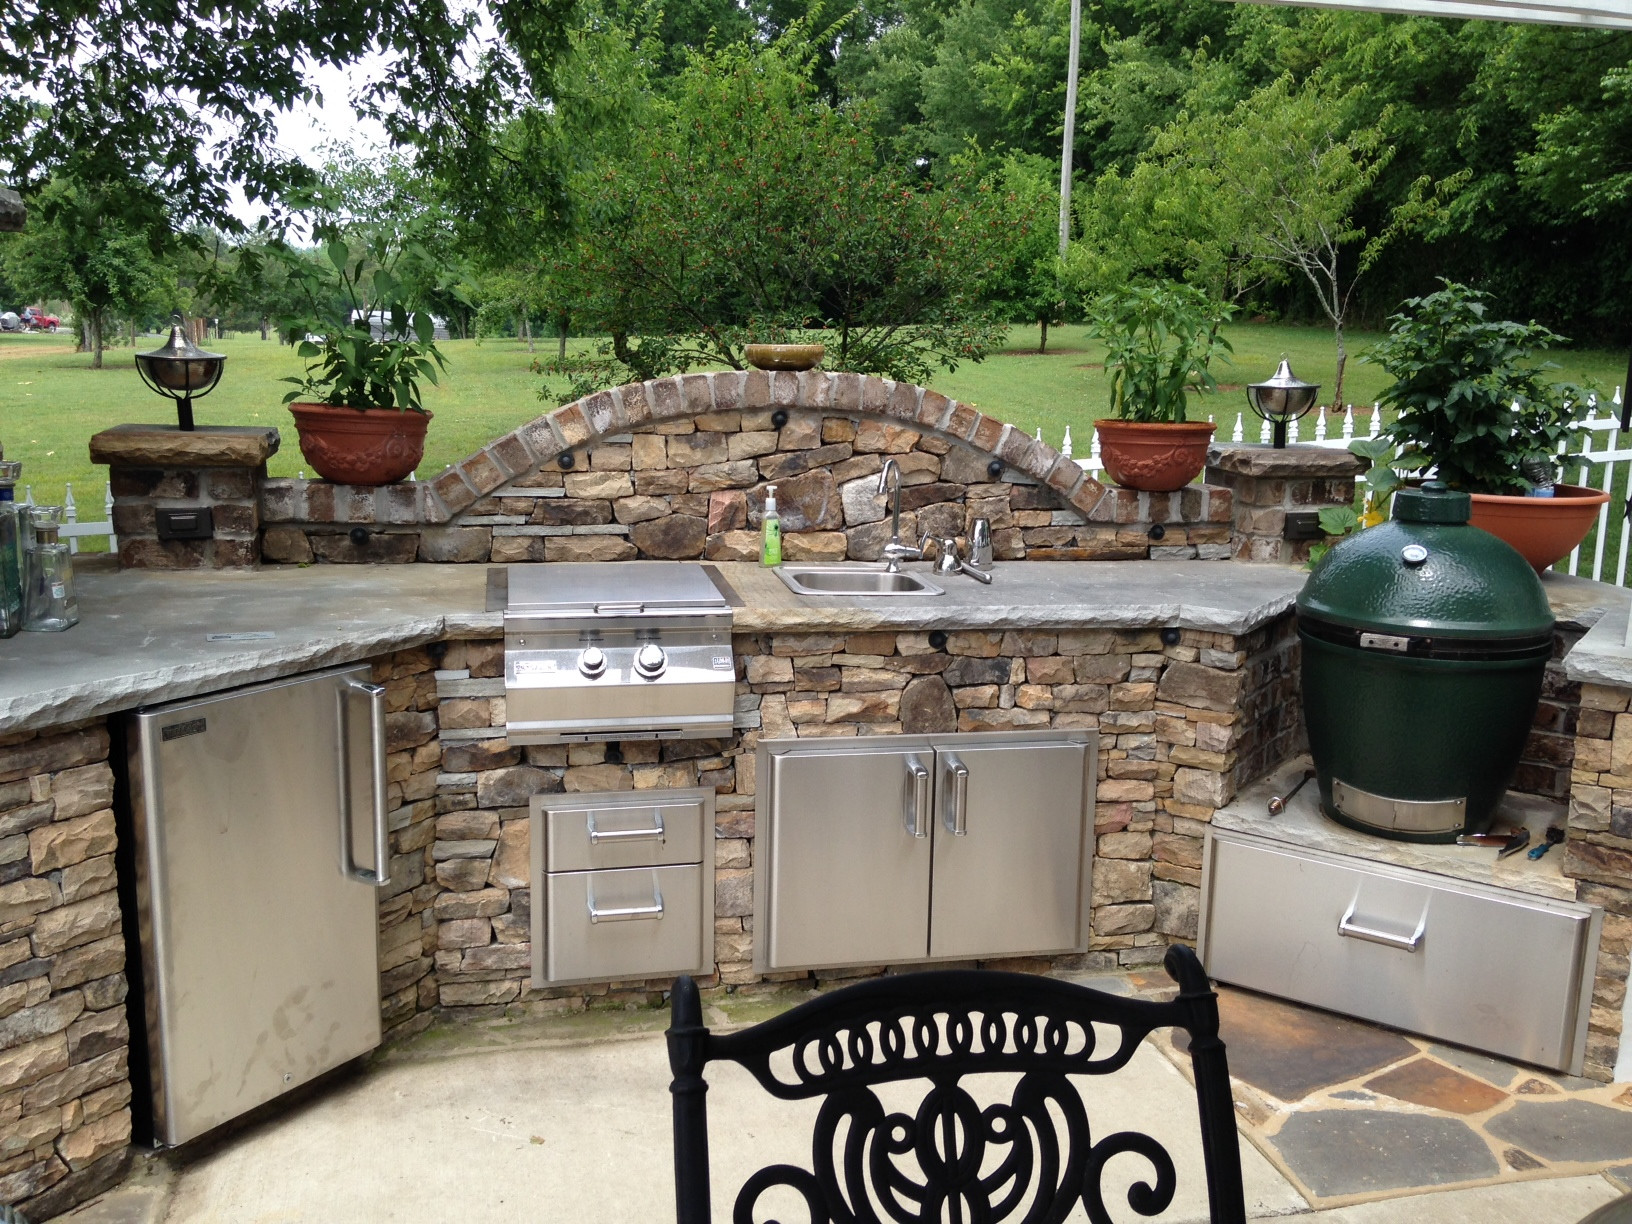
568,1121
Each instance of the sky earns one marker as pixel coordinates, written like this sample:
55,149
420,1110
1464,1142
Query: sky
303,130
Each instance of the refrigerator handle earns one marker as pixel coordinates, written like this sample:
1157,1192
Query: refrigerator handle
956,815
376,753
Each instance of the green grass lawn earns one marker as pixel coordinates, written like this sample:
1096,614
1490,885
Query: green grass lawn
51,401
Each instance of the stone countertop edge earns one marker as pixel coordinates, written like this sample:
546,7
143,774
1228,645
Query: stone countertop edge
1603,656
142,639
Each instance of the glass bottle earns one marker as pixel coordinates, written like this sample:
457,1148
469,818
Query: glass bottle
49,602
11,552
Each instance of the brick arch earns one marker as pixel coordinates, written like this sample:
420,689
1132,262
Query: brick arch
637,407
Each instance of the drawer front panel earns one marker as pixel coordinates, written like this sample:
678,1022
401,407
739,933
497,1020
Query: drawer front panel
620,831
1461,963
625,924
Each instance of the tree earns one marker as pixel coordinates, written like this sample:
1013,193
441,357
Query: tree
78,246
1030,286
110,91
751,210
1274,185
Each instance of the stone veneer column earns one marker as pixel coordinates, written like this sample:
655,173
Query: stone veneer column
64,1042
1598,855
219,469
1269,483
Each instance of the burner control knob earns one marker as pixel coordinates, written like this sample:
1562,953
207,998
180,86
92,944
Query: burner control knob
592,662
650,660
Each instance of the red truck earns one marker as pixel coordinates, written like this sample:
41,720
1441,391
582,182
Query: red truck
38,320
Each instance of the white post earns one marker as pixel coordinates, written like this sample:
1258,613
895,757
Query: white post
107,511
1065,446
1070,127
70,514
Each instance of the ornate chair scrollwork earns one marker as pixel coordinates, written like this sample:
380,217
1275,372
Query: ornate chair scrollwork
1032,1157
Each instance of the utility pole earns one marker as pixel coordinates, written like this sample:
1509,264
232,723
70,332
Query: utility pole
1070,127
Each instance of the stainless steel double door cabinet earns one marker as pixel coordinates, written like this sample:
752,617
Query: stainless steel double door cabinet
260,839
911,848
1499,970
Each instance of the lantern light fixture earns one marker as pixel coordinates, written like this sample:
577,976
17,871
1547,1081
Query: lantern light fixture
1282,399
181,371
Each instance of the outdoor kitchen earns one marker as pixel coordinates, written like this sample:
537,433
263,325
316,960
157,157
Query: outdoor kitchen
611,747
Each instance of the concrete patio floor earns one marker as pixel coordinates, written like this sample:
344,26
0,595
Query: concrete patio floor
567,1120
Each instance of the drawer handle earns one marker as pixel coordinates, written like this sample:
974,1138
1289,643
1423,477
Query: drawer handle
631,913
1353,930
917,798
655,833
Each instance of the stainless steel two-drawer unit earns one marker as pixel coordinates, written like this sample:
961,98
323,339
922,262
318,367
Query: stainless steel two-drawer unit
623,885
1492,968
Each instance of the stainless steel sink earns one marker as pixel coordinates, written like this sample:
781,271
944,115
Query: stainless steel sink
853,580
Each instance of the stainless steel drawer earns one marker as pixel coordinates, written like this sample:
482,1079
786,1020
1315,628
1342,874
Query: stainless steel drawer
1497,970
624,830
642,922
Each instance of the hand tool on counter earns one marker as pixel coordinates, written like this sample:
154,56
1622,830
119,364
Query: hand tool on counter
1554,835
1277,803
1506,840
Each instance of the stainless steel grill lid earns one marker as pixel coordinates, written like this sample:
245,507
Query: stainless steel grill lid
616,650
591,588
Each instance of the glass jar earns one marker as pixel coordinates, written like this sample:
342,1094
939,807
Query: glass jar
49,601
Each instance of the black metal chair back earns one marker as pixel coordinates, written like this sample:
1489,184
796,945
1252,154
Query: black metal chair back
1031,1159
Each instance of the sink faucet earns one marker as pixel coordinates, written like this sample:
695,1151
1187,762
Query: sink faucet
897,550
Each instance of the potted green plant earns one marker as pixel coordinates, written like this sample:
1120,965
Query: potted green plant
358,408
1160,341
1475,405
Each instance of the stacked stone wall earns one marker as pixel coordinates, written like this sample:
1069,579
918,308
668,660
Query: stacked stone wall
1175,713
1598,855
677,469
64,1040
407,918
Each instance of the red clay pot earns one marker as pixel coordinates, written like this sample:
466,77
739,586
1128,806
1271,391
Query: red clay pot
360,446
1156,457
1543,529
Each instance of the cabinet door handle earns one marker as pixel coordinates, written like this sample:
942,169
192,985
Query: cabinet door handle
957,797
1346,926
630,913
917,804
381,874
654,833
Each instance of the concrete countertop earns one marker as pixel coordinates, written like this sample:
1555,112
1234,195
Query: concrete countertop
147,636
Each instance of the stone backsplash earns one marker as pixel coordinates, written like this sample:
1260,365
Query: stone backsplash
64,1040
677,469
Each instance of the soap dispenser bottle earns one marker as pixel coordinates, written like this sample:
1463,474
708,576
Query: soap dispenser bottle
50,602
770,531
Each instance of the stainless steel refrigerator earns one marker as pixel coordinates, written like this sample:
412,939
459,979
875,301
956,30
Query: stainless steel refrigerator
259,822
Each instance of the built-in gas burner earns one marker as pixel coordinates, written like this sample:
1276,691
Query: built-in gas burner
617,650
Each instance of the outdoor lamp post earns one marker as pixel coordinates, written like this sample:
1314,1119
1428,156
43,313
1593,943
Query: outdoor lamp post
1286,397
181,371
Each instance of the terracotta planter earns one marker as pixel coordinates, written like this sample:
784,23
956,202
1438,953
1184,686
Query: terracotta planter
784,356
366,446
1543,529
1156,457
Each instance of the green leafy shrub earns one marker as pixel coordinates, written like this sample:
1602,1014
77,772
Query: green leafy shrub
1471,398
346,363
1160,341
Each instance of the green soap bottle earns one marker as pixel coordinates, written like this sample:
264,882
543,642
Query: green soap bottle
770,531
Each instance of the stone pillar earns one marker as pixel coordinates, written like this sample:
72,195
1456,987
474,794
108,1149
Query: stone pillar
186,500
1269,485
